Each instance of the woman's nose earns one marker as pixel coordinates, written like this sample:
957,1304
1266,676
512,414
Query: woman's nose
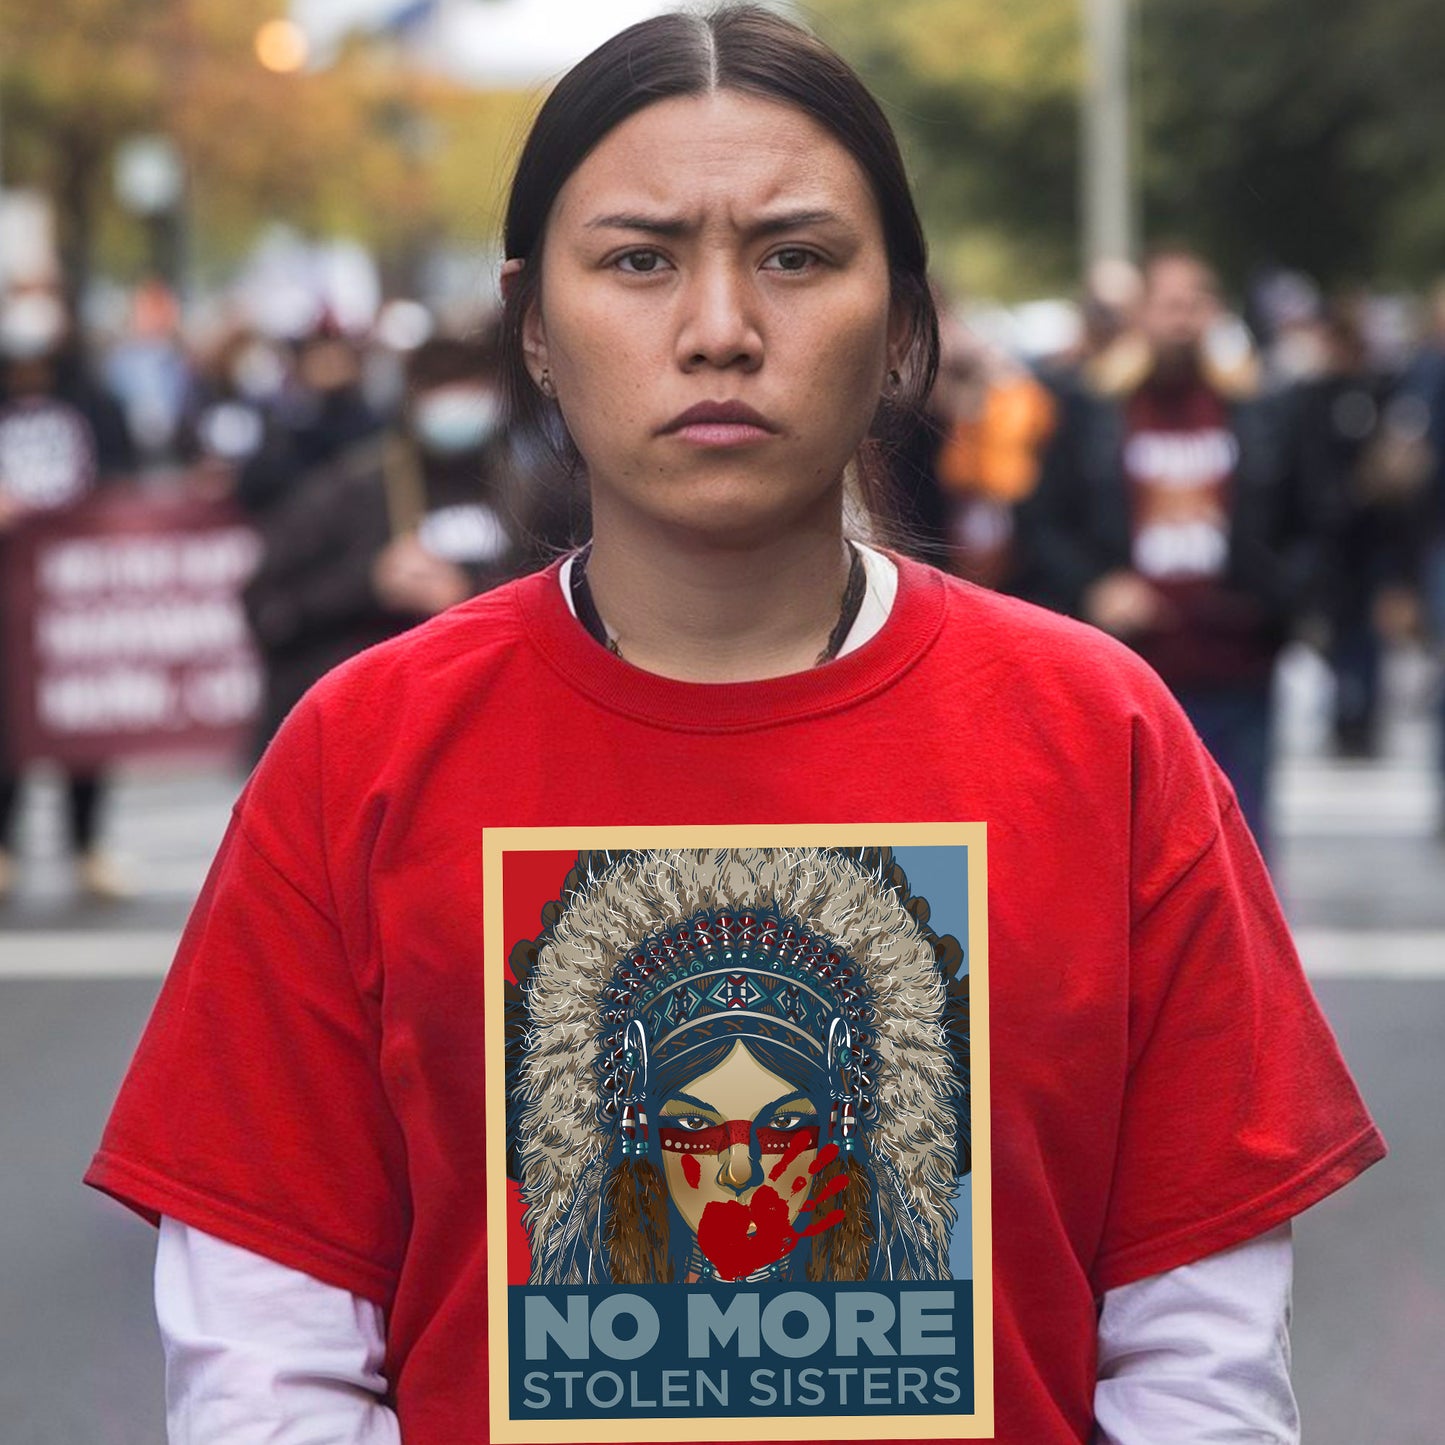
740,1171
719,325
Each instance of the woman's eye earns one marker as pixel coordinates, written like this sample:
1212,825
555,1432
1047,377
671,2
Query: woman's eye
639,263
790,1120
792,258
692,1123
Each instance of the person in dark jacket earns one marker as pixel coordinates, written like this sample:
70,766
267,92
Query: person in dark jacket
1169,514
399,528
60,437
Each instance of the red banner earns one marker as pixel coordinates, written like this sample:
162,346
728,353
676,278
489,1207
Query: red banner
123,632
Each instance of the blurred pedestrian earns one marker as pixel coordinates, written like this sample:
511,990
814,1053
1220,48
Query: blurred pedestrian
60,437
1423,386
229,430
1363,462
148,371
997,421
1169,514
319,412
395,529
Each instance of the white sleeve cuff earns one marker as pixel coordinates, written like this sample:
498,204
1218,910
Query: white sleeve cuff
256,1352
1201,1353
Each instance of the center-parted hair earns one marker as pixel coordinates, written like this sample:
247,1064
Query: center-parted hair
751,51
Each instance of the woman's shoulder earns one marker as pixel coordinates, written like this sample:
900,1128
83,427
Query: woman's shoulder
454,650
1036,649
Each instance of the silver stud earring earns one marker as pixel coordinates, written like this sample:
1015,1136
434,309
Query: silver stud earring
545,385
895,379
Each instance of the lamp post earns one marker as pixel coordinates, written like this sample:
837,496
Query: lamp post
1106,192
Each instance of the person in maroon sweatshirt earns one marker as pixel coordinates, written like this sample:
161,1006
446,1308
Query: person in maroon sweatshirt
1170,515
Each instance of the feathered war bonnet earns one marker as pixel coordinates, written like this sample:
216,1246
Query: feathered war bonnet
824,951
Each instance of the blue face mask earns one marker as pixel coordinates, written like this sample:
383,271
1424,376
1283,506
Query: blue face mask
453,420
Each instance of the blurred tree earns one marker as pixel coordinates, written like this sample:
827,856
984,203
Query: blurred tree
1289,132
1267,131
364,147
985,100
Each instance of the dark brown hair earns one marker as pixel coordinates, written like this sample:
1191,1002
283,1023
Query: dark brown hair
741,48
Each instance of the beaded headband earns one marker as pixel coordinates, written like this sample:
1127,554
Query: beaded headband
733,974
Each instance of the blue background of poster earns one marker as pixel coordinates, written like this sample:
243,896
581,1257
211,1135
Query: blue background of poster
940,874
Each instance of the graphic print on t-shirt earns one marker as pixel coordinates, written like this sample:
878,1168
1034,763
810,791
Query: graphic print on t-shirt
1180,462
735,1135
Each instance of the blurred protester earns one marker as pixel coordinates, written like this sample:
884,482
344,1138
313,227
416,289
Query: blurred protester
1168,514
60,436
1423,387
1364,460
973,456
998,421
230,426
922,508
320,413
1287,314
149,372
1109,307
395,530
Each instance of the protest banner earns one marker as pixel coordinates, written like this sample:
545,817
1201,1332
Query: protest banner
123,632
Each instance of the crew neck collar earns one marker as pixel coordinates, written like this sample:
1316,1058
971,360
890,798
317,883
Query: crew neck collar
711,707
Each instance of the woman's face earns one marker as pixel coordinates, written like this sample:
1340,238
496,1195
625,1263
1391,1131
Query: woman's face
716,249
733,1134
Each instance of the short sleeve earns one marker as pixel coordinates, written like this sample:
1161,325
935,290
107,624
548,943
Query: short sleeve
254,1108
1238,1112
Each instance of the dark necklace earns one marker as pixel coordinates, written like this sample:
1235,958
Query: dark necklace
853,593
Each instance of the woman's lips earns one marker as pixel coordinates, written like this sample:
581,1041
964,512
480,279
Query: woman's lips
721,433
720,424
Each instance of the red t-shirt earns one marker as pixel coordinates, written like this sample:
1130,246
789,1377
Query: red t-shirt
311,1086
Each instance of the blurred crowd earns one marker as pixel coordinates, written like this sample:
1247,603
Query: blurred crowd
1205,483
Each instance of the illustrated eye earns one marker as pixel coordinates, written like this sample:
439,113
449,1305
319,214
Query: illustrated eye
689,1123
788,1119
639,263
792,259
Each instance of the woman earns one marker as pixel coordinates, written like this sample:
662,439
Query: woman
716,298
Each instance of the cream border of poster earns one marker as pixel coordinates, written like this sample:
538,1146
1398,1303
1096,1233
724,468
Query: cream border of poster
507,1430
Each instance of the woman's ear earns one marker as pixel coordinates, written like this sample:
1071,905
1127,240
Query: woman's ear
534,335
900,336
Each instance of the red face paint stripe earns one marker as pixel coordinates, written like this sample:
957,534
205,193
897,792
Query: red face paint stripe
788,1142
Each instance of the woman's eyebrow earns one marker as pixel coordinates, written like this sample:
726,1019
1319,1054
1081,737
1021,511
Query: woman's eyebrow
678,1097
796,1097
673,226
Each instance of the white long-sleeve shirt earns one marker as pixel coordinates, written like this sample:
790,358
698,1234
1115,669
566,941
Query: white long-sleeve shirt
259,1354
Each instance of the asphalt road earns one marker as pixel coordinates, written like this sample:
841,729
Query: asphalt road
1360,867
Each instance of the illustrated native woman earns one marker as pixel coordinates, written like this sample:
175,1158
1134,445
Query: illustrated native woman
774,1078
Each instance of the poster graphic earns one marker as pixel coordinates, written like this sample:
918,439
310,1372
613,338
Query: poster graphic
737,1097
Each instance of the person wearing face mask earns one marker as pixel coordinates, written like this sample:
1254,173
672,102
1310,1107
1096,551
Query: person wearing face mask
397,530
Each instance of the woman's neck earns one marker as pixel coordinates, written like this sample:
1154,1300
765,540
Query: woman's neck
703,611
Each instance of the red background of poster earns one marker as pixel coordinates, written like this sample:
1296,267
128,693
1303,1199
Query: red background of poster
204,697
530,881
